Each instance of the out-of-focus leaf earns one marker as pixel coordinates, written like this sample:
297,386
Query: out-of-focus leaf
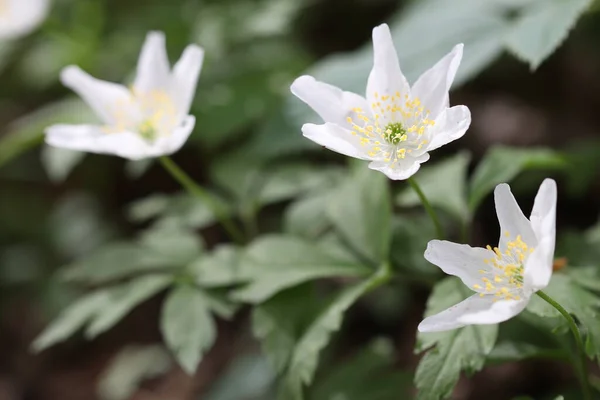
135,169
124,299
72,319
456,350
276,262
444,185
361,211
220,267
130,367
578,301
507,351
304,358
542,27
59,162
366,375
307,217
28,131
501,164
187,326
409,241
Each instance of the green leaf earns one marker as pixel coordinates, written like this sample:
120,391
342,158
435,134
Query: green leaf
361,211
276,262
220,267
59,162
577,300
508,351
409,241
501,164
444,185
72,319
307,217
542,27
125,298
456,350
305,356
366,375
187,326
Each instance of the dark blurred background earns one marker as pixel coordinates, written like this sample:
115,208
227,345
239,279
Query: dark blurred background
56,206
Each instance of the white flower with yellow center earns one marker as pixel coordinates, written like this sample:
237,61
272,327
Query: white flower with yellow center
20,17
397,125
148,119
506,276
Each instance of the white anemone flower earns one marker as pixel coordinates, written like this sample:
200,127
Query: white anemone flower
20,17
504,277
148,119
396,125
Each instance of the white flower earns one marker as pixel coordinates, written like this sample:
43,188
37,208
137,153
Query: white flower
506,276
149,119
20,17
396,125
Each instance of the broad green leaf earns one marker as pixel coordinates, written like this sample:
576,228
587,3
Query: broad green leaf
187,326
307,217
72,319
542,27
456,350
59,162
577,300
501,164
28,131
171,245
305,356
444,184
507,351
366,375
361,212
409,241
280,321
129,368
220,267
276,262
125,298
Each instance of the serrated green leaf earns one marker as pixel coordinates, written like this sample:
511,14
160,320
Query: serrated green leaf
501,164
187,326
220,267
276,262
583,304
72,319
125,298
542,27
304,359
456,350
444,184
360,210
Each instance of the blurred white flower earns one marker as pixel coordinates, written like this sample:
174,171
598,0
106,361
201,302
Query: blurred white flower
396,125
20,17
506,276
149,119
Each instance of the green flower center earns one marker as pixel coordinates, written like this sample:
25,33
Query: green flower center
148,131
394,133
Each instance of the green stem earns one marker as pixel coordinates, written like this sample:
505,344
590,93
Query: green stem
428,208
583,375
204,196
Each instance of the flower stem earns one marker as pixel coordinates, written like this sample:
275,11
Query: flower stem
204,196
580,348
428,208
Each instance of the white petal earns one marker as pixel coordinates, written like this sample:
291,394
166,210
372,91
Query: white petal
460,260
543,221
105,98
331,103
403,169
432,87
475,310
336,138
170,144
19,17
93,139
385,78
511,218
450,125
185,78
153,68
